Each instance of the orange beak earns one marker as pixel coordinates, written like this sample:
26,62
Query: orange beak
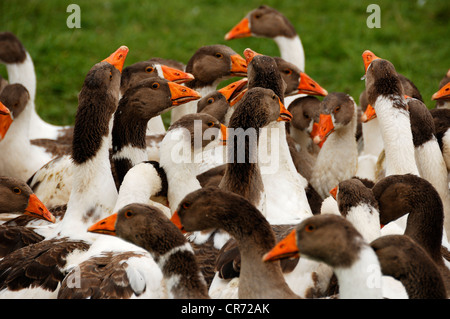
315,132
286,248
175,75
369,114
5,120
238,65
37,209
118,57
235,91
443,93
250,54
240,30
223,130
285,115
368,56
181,94
177,222
308,86
333,192
326,127
105,226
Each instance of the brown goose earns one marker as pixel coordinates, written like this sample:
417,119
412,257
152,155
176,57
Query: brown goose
403,259
333,240
269,23
398,195
239,218
210,65
148,227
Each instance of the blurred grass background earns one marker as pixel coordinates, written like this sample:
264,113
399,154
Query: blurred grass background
414,35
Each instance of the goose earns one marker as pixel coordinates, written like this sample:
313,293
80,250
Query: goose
20,68
385,94
441,119
140,103
269,23
305,113
210,65
98,101
220,103
442,96
373,142
337,159
235,215
148,227
21,158
151,68
334,240
286,201
17,199
429,158
403,259
409,194
257,109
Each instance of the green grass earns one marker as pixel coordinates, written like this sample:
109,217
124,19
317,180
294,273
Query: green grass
414,37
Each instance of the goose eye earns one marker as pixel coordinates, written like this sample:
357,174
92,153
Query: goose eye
218,55
257,16
288,71
310,228
210,100
110,76
128,214
306,116
337,109
274,97
149,69
17,190
186,205
211,124
155,85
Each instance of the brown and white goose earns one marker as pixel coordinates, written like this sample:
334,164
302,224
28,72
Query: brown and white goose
398,195
93,195
385,93
20,68
442,96
235,215
269,23
429,158
149,228
373,142
210,65
335,241
140,103
150,69
338,157
286,201
404,260
21,158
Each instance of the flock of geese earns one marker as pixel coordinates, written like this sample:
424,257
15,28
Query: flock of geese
257,190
